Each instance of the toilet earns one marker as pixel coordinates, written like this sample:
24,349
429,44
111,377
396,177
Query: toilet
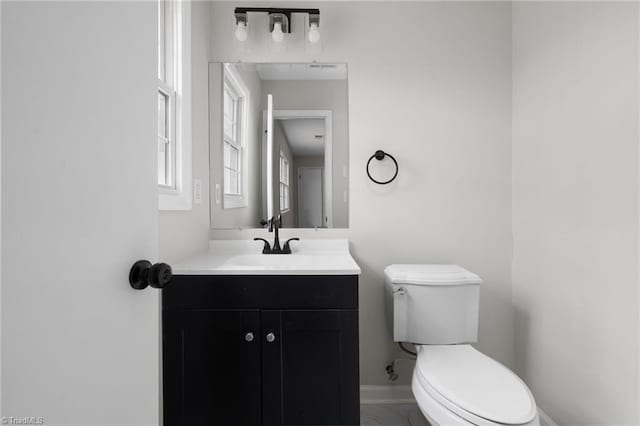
436,307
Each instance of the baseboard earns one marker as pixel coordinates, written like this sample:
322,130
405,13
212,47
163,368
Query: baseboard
400,394
545,420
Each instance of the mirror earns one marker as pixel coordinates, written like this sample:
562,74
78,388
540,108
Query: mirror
279,145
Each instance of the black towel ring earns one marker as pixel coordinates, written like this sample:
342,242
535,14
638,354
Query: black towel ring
379,155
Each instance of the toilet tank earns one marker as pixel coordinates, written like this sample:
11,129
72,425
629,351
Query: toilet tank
432,304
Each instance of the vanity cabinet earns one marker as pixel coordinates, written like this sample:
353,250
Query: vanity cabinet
252,350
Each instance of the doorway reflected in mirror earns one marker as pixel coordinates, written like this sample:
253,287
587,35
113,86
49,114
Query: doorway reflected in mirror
303,141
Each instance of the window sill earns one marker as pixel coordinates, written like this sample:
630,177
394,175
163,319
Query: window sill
173,200
234,202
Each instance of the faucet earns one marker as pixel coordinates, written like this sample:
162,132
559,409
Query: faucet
274,226
275,223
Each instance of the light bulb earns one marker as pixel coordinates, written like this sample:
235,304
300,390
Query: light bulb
313,35
241,31
277,33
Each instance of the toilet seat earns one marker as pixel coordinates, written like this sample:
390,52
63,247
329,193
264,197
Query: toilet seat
473,386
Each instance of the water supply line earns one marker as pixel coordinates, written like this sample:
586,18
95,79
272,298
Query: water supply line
391,368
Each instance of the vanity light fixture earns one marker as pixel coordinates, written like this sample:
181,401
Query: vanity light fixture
313,34
242,33
278,25
279,22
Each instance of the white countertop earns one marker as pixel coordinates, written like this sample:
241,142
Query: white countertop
244,257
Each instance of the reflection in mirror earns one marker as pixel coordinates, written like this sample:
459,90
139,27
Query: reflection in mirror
278,145
268,191
302,142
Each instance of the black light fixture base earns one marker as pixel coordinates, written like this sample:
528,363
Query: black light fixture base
241,15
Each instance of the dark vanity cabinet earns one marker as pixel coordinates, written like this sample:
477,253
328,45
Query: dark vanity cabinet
253,350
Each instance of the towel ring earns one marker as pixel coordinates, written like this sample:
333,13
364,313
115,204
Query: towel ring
379,155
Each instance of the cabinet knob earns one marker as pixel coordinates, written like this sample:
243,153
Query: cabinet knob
248,337
271,337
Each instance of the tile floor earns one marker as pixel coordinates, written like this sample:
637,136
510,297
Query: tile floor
398,415
386,414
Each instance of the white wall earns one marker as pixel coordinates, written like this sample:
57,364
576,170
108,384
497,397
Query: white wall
430,83
575,208
183,233
79,205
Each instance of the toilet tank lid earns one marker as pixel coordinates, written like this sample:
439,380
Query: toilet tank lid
433,275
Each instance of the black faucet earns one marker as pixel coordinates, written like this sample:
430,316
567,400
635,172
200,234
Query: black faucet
274,225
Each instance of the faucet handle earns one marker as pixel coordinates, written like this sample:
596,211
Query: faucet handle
286,248
267,246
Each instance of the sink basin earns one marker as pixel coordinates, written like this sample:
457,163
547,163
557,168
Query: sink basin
270,261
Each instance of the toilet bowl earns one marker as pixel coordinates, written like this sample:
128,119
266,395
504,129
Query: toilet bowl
435,307
458,385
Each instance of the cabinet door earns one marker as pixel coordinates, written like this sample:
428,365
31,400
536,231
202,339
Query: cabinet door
211,368
310,370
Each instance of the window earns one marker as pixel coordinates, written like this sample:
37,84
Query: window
284,183
233,150
166,140
234,146
174,125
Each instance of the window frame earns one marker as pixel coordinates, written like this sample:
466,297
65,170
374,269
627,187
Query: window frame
174,80
169,139
234,141
284,185
233,80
